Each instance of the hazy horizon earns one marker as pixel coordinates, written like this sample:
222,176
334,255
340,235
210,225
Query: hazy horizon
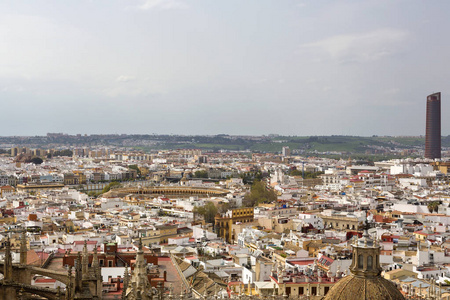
219,134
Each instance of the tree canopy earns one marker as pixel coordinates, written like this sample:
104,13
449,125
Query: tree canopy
259,193
249,177
135,167
308,175
109,186
208,211
433,206
201,174
37,160
66,152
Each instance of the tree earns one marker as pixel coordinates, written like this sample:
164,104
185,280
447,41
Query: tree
224,207
258,176
295,172
37,160
66,152
3,151
250,177
208,211
259,194
201,174
433,206
308,175
135,167
109,186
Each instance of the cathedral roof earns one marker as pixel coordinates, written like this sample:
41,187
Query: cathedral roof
361,288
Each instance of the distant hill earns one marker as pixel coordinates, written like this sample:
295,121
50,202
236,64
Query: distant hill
309,145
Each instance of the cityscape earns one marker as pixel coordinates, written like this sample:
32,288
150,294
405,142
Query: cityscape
115,222
180,149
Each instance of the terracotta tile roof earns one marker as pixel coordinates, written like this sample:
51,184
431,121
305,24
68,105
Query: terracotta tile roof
33,258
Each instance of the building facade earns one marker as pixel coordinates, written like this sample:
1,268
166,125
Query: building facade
224,222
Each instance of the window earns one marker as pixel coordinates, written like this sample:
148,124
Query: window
369,262
288,291
360,261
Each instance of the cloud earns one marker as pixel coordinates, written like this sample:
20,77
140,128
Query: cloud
130,86
392,91
162,5
12,88
127,91
124,78
369,46
34,47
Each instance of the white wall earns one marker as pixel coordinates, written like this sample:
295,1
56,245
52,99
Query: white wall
114,272
403,207
423,257
178,241
247,276
344,265
265,272
386,259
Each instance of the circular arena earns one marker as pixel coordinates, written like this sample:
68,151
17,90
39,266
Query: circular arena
171,191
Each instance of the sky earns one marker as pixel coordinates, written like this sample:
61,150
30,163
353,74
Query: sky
195,67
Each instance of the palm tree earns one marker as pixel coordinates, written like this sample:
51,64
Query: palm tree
433,206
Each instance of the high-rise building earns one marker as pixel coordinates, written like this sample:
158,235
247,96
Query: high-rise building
15,151
433,127
285,151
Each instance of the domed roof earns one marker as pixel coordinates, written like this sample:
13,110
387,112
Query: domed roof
360,288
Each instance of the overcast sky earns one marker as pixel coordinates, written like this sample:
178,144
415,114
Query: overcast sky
233,66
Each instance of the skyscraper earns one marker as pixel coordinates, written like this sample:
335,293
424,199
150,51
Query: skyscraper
433,127
285,151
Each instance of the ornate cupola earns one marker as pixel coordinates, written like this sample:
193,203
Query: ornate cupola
366,254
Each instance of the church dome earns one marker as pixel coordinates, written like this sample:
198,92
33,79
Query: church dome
365,281
362,288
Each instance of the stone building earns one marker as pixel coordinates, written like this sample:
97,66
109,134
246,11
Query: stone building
224,222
